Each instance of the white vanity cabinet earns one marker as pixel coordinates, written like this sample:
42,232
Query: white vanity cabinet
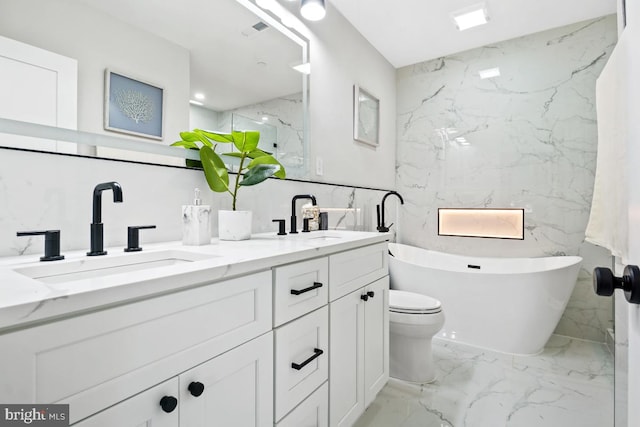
288,341
359,331
98,360
233,389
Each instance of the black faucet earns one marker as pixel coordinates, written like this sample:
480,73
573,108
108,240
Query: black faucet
97,245
294,229
381,227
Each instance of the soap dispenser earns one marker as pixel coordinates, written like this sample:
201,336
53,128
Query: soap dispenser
196,222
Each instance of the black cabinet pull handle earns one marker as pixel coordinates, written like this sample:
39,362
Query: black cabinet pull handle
316,353
364,297
315,285
168,403
196,388
370,294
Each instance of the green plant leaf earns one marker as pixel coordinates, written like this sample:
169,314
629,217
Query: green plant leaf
186,144
246,141
258,153
195,136
259,173
268,160
214,170
232,154
215,136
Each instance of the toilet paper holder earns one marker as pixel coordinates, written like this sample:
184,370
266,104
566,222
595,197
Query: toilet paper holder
604,282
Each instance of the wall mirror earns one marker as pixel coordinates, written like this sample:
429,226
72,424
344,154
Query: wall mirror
239,57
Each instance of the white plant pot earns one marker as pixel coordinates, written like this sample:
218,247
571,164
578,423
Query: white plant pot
234,225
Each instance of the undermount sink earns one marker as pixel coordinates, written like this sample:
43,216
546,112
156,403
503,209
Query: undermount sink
91,267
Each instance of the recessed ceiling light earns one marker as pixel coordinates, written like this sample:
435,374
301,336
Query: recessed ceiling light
194,102
313,10
304,68
489,73
199,96
471,16
265,118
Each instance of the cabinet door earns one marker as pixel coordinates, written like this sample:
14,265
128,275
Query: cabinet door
234,389
140,410
346,357
376,339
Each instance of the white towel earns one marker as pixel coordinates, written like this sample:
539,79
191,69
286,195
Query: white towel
608,221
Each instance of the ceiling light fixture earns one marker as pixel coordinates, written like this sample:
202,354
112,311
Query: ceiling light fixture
199,96
471,16
194,102
489,73
312,10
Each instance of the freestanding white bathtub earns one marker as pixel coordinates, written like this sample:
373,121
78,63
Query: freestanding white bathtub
511,305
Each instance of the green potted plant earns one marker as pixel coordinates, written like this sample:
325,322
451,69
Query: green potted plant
255,166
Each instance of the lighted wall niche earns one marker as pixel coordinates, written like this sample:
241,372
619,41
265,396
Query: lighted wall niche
481,222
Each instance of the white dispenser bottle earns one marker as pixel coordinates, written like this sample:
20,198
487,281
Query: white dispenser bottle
196,222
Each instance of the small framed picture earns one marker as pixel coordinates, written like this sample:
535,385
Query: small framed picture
132,106
366,116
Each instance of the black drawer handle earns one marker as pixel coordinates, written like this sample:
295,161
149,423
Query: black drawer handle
316,353
315,285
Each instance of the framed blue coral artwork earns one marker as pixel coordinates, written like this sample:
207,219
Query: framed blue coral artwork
132,106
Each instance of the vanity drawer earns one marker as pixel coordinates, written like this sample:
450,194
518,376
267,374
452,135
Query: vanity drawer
356,268
301,359
299,289
312,412
95,360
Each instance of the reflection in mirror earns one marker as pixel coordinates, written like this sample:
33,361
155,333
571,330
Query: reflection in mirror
233,53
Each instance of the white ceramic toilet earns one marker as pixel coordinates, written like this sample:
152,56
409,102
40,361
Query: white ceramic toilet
413,321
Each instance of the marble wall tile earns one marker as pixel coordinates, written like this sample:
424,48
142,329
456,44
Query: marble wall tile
525,139
50,191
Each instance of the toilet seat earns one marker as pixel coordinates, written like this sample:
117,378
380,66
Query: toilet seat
412,303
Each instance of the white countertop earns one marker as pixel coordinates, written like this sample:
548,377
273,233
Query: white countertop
24,300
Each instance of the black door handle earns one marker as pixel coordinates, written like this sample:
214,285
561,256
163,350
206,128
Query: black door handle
316,353
604,282
315,285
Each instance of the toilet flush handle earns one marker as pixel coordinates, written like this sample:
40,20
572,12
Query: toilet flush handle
604,282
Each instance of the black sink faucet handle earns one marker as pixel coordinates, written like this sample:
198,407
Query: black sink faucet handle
51,243
133,237
281,226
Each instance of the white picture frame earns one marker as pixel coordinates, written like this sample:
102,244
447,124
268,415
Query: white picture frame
132,106
366,116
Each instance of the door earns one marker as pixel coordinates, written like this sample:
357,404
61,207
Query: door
233,389
631,36
346,357
143,409
37,86
376,339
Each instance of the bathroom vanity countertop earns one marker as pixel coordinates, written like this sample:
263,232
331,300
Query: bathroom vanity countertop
24,300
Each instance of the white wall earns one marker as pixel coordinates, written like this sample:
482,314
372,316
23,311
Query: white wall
340,57
98,42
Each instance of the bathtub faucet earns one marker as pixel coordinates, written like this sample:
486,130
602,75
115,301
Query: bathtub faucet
380,212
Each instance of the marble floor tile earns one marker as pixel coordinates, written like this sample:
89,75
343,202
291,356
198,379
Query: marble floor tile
569,384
